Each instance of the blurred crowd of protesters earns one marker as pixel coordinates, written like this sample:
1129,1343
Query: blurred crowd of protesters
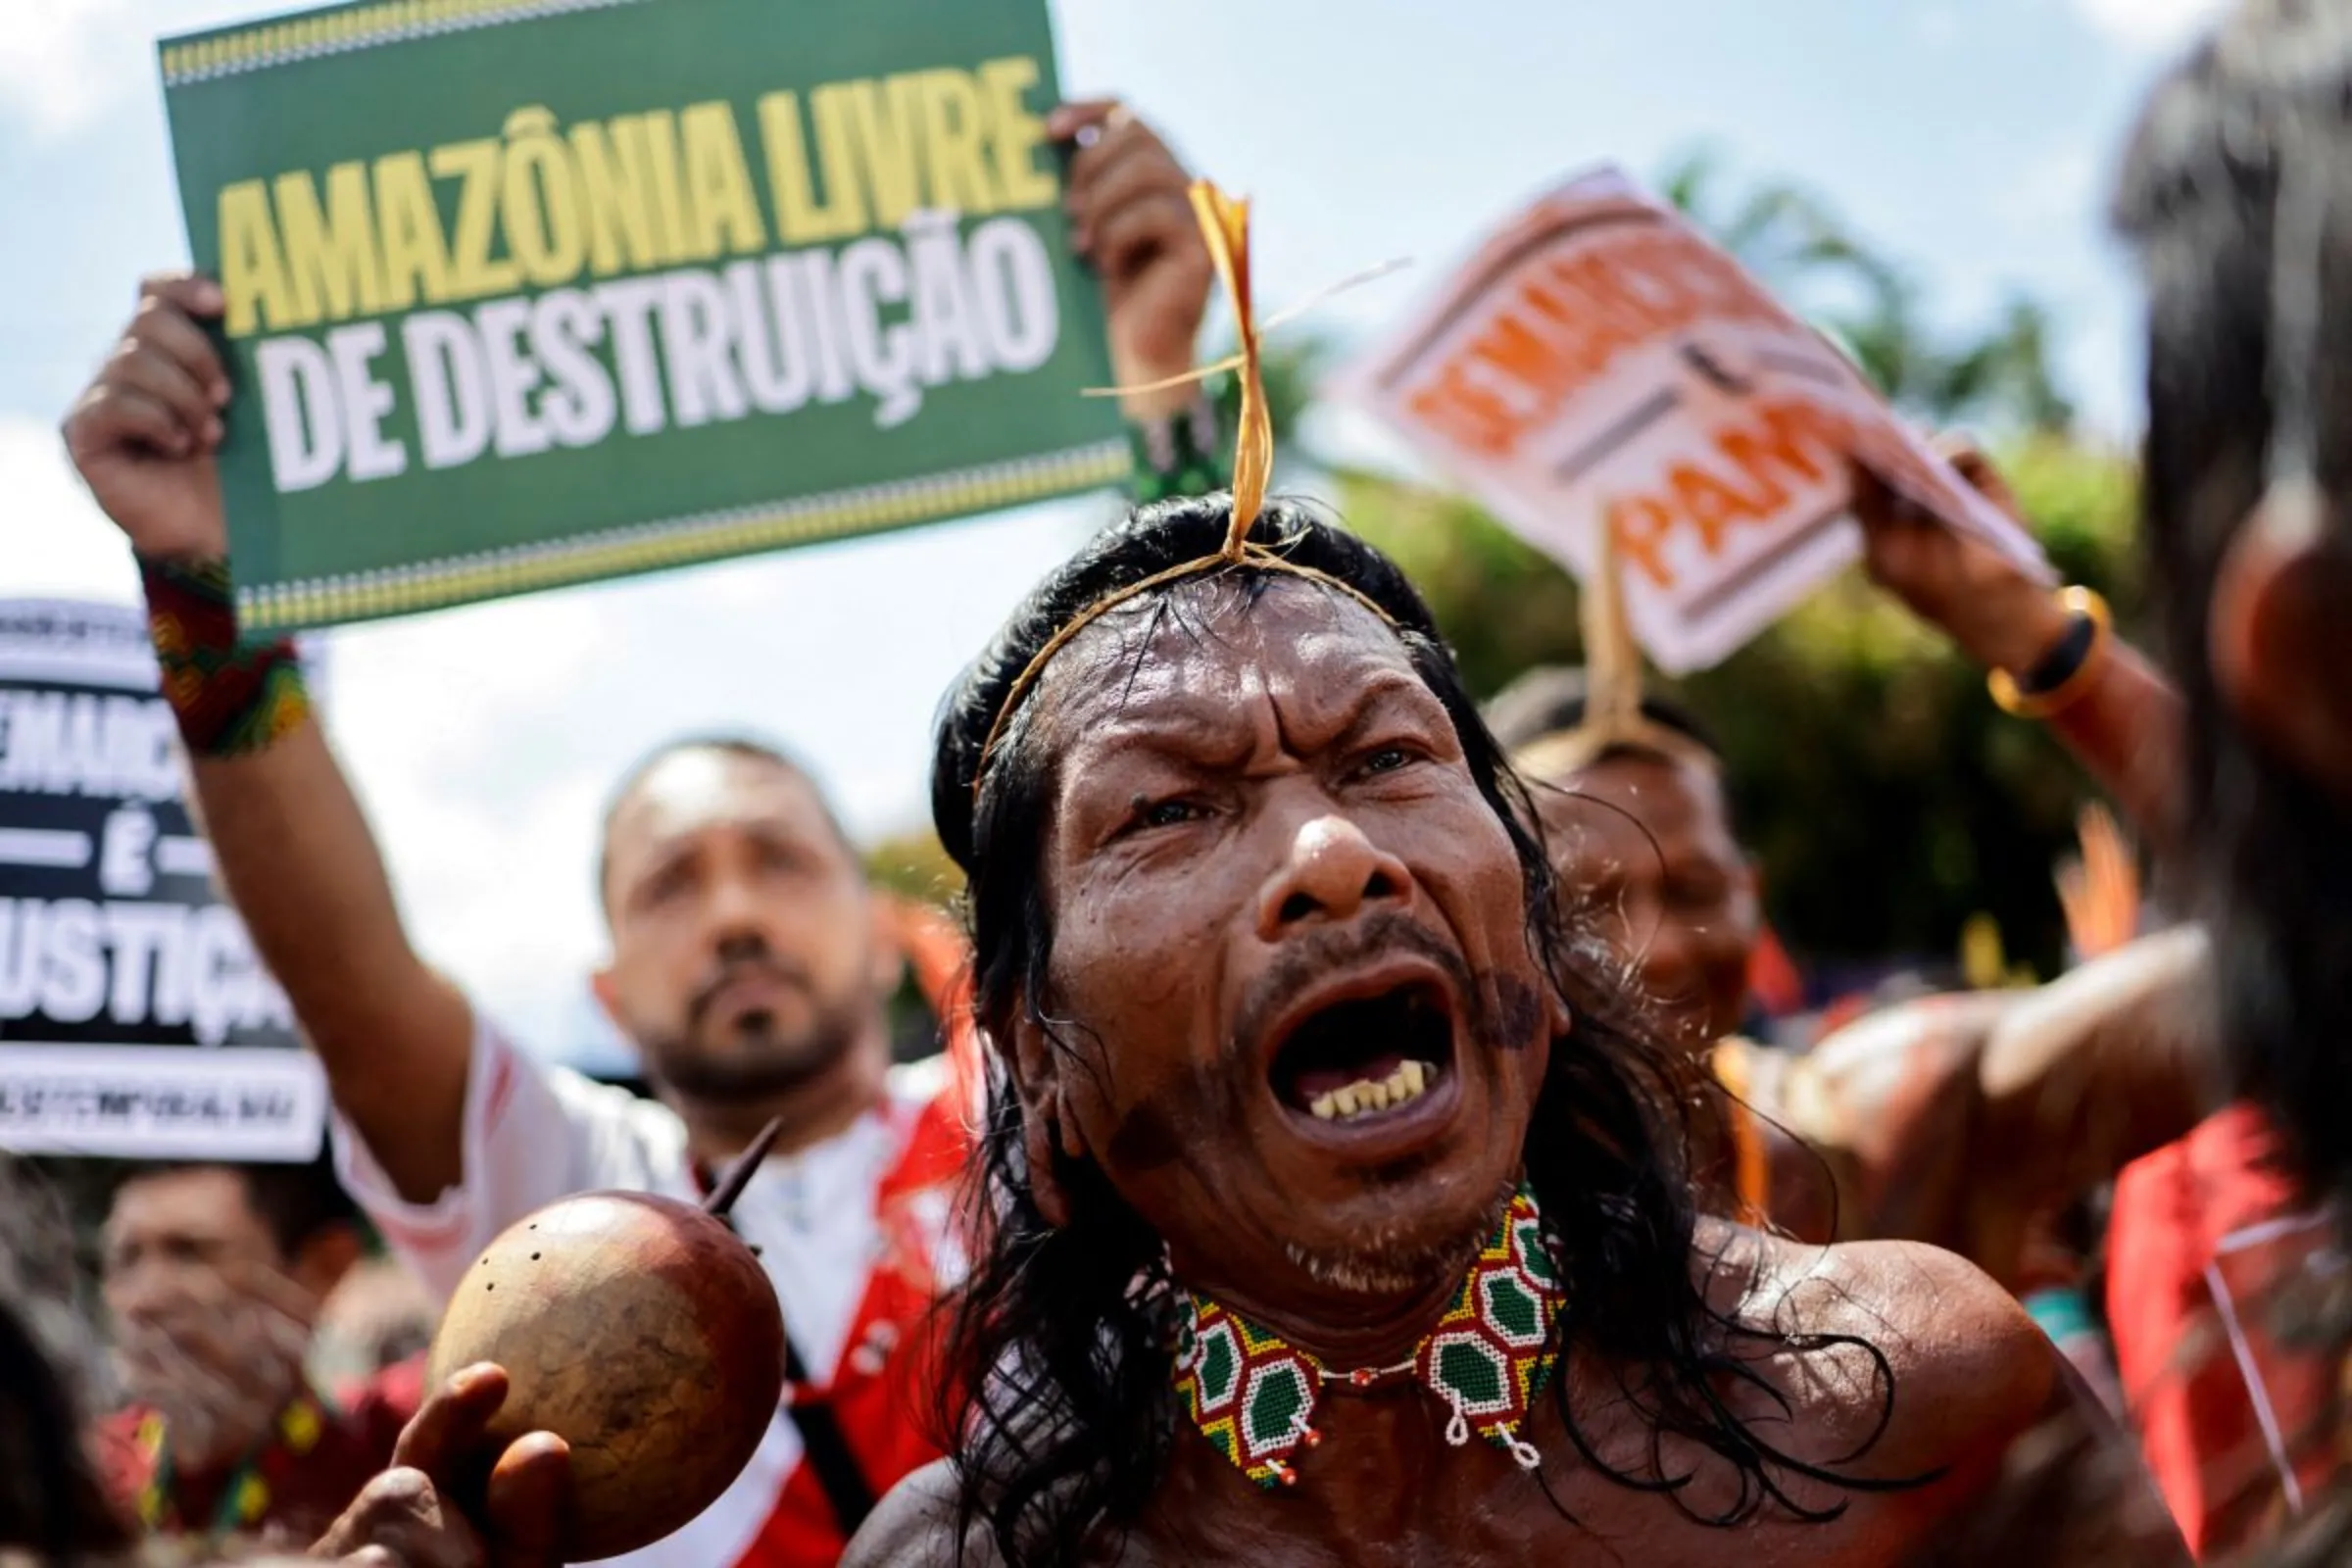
2151,1150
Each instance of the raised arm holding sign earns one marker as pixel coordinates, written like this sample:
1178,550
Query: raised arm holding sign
749,961
1599,364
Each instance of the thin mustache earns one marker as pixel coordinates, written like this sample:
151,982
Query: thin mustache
737,969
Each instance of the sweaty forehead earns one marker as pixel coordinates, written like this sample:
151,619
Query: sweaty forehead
1196,662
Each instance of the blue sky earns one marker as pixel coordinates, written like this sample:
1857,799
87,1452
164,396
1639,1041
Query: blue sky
1971,138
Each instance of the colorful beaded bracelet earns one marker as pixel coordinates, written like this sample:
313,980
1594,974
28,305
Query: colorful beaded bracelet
231,697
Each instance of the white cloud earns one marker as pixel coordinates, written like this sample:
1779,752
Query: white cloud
2150,25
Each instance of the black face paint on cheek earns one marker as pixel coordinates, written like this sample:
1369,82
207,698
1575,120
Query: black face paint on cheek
1145,1139
1510,1012
1155,1134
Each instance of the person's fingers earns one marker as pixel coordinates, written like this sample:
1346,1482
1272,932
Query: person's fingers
1113,170
405,1517
2104,855
2072,900
1140,174
1983,475
2119,876
1127,173
165,327
1877,504
453,1421
2103,851
141,368
393,1519
1143,229
1118,142
192,292
110,415
523,1507
2106,829
1074,121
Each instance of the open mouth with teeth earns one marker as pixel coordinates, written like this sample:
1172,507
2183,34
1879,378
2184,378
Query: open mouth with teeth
1359,1059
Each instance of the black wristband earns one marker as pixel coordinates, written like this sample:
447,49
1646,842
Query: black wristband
2064,662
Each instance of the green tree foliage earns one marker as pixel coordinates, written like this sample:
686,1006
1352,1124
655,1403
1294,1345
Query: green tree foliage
1786,236
914,866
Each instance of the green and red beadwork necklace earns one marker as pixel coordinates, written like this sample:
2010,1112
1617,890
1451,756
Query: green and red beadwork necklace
1253,1394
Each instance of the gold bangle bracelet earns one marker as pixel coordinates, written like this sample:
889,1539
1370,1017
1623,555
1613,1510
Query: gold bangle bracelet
2016,700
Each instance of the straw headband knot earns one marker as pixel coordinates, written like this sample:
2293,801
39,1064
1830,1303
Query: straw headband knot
1225,226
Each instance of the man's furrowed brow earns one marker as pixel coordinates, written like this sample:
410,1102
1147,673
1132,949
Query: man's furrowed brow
1383,694
1188,733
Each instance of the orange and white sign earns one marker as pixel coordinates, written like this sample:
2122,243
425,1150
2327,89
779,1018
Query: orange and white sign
1599,364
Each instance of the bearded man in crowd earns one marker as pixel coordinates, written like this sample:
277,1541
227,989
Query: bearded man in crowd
214,1277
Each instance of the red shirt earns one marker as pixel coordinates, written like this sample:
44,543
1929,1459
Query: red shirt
2239,1428
320,1452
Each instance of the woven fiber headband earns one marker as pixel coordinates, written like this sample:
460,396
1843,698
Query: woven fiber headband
1225,224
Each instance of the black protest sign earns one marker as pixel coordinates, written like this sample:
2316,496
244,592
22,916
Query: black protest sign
134,1018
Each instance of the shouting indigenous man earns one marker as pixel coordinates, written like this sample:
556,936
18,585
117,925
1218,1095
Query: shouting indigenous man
1341,1211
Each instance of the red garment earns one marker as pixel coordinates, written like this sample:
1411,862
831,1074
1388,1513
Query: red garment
307,1474
885,1395
2237,1429
1773,982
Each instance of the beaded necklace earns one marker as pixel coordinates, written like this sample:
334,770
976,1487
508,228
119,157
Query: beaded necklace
1253,1394
245,1496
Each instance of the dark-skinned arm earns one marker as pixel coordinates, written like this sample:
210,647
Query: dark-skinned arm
2085,1075
1966,1118
2124,724
293,849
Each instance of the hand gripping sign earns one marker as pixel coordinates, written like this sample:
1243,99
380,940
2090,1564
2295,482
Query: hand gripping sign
1597,364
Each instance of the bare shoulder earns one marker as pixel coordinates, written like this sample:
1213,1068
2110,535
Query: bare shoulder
914,1526
1909,1344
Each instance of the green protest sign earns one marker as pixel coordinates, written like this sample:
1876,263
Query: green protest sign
529,292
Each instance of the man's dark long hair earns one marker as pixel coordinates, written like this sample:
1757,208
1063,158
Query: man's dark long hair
2261,112
1063,1333
2271,94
